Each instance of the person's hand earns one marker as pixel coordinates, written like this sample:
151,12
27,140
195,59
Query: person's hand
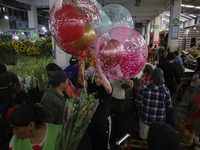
98,69
178,86
43,84
129,83
82,64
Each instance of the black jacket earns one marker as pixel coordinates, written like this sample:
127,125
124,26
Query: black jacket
170,71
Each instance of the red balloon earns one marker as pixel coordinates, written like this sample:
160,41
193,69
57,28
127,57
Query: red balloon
64,9
67,21
111,53
70,26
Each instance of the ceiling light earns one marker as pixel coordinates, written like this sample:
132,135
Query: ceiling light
189,6
183,5
43,28
197,7
6,17
182,20
186,16
22,32
194,28
192,15
187,30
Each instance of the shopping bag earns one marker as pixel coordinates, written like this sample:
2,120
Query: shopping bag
185,132
73,90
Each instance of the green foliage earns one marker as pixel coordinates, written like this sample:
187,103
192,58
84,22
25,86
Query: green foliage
31,72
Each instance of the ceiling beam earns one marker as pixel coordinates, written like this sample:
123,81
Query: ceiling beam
16,4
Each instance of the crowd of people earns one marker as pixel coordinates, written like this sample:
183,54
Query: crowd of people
36,126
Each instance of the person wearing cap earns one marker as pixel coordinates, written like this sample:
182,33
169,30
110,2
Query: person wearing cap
162,136
152,102
73,68
171,71
55,96
9,85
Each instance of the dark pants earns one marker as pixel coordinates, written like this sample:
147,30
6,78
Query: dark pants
4,106
117,112
179,93
171,89
99,138
170,118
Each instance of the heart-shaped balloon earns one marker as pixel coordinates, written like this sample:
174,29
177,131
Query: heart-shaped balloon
70,26
87,39
111,53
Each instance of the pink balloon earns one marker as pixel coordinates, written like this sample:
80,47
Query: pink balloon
121,23
132,64
133,56
121,36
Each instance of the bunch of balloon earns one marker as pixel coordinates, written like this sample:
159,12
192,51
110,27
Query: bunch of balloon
120,51
75,25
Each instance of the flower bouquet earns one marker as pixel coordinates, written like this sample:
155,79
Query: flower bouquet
76,118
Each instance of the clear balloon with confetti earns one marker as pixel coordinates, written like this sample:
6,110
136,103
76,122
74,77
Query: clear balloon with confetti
121,53
119,15
75,25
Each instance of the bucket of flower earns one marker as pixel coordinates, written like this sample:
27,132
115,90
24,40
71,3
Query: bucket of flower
77,115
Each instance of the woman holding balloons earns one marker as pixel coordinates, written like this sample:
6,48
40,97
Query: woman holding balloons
100,126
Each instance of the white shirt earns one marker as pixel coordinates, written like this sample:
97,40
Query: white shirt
118,92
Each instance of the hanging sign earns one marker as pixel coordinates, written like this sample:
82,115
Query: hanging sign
175,21
156,26
21,24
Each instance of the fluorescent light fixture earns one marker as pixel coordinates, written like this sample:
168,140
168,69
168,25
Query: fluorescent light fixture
16,37
189,6
22,32
192,15
186,16
197,7
183,5
182,20
6,17
167,14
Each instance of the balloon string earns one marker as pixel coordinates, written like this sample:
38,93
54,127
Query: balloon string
93,77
